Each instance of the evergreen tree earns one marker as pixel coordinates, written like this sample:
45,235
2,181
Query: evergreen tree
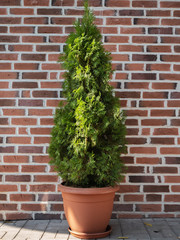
89,132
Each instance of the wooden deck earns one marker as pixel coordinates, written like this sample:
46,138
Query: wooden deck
132,229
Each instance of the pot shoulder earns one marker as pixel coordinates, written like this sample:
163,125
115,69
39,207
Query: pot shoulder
88,191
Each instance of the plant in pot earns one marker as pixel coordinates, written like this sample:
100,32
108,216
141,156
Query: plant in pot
88,136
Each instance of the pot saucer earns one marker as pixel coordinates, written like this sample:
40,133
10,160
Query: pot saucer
91,235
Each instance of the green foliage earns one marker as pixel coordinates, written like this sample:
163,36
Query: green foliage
89,132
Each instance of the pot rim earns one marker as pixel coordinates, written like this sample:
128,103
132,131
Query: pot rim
90,190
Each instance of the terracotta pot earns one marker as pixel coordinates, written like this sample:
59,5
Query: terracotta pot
88,210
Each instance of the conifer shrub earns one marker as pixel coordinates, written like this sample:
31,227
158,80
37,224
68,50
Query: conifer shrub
88,136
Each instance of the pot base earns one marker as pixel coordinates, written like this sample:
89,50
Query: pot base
91,235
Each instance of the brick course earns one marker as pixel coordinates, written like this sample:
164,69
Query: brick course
143,37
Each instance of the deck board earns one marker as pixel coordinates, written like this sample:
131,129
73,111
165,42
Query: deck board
132,229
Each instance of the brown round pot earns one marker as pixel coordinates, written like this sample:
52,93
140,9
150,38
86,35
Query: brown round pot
88,210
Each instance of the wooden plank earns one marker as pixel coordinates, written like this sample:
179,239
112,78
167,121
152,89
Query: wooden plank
39,229
12,229
51,230
174,224
133,229
116,229
62,233
26,231
153,230
164,228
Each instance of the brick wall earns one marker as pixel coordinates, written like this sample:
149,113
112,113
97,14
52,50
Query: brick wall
143,37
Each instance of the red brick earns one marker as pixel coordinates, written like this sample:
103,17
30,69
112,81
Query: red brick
158,13
146,21
9,168
144,57
148,207
153,197
166,131
3,11
49,11
35,20
15,216
144,179
57,39
144,4
170,39
8,188
172,179
156,188
16,159
51,66
129,188
36,3
170,150
22,197
171,208
177,68
170,22
40,112
33,57
42,188
133,198
170,4
63,3
8,56
142,150
158,67
6,149
33,207
162,112
21,29
3,197
144,76
57,207
144,39
22,11
155,95
159,30
24,121
30,149
4,85
30,103
175,188
9,94
118,21
55,30
137,113
62,20
51,85
7,130
163,170
117,3
45,48
18,178
10,3
34,39
40,131
174,103
9,75
33,168
10,20
148,160
4,29
34,75
133,30
154,122
120,57
26,66
134,67
20,48
16,140
45,178
8,207
41,159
